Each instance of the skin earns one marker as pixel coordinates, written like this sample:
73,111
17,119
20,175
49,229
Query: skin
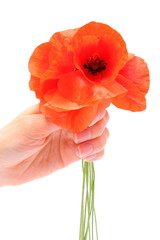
31,147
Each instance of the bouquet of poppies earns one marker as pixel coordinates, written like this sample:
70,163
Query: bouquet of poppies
79,72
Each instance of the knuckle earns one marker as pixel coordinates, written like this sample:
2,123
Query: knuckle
104,137
106,133
107,115
101,141
101,127
103,122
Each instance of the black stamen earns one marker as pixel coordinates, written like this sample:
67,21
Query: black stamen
95,65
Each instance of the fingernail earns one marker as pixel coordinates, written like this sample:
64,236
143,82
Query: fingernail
97,118
83,136
84,150
94,121
90,158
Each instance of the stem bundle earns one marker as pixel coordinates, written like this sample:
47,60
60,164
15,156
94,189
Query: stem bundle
88,222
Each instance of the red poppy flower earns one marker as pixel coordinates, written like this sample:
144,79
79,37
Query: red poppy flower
80,71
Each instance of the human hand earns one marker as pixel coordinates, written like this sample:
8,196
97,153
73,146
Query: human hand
32,147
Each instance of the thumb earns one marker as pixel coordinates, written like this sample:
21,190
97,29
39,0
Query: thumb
37,126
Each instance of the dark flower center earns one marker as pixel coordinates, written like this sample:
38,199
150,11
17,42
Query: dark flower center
95,65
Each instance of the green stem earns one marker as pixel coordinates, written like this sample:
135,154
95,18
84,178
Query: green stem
88,221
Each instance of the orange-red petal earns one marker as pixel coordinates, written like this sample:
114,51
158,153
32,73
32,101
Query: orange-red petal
34,83
98,29
84,117
39,60
56,100
137,71
75,87
43,84
97,39
75,120
48,75
62,63
113,89
86,47
104,104
133,100
63,37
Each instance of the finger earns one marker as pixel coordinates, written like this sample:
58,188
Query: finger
71,153
95,156
93,146
92,132
98,117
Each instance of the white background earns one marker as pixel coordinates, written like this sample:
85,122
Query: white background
128,177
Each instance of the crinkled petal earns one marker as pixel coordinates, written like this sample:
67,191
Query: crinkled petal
133,100
39,60
43,84
86,47
56,100
75,87
48,75
84,117
62,63
34,83
104,104
98,29
102,41
137,71
75,120
63,37
114,89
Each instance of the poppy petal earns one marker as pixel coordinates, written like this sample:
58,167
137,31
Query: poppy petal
86,47
74,87
75,120
82,91
63,37
104,104
62,119
114,89
84,117
56,100
62,63
43,84
97,41
98,29
39,62
133,100
47,75
137,71
34,83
